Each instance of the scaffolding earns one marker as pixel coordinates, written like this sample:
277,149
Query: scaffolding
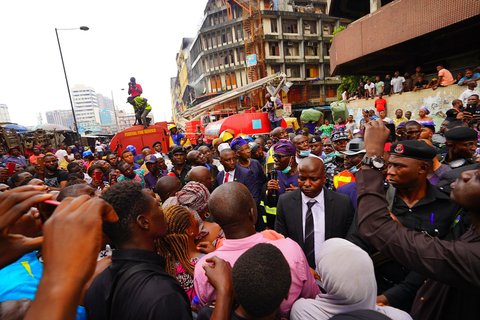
253,39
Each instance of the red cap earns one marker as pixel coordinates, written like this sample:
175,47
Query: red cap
171,174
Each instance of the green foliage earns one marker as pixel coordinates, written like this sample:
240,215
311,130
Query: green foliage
338,29
350,83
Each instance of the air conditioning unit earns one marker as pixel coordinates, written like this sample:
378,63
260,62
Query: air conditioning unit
310,44
290,44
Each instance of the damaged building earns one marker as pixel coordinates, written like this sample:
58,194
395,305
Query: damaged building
241,41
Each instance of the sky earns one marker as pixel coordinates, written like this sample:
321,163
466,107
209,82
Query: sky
126,38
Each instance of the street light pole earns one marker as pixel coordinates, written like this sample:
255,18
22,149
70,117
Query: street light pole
115,111
84,28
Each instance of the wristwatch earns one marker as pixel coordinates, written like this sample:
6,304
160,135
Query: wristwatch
374,162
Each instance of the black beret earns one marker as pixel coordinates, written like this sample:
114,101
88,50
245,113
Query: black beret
461,134
414,149
315,139
155,143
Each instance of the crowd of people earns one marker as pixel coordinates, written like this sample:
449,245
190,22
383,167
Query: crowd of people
388,85
371,221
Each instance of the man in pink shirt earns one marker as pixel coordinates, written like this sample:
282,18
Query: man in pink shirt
445,77
233,208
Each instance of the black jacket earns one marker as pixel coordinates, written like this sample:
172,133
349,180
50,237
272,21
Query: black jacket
452,290
339,214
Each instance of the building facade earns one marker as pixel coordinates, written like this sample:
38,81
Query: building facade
4,114
125,120
278,36
60,117
87,111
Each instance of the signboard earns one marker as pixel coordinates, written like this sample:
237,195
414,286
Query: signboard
287,108
251,60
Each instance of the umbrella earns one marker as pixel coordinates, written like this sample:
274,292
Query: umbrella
15,127
310,115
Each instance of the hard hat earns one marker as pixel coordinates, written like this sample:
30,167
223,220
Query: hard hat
87,153
225,136
171,126
132,149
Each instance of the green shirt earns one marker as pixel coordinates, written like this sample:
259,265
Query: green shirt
141,103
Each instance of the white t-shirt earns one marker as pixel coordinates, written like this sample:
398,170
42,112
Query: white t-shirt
60,154
351,126
397,84
369,87
466,94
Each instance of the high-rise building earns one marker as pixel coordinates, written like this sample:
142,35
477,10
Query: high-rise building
60,117
87,111
4,114
107,110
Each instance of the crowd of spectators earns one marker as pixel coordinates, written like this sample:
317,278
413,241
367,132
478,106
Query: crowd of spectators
375,220
411,82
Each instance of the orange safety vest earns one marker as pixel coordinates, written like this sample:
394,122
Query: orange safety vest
344,177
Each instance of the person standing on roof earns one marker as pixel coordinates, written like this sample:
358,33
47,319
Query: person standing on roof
134,89
142,108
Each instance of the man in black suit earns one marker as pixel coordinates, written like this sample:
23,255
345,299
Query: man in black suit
312,214
234,172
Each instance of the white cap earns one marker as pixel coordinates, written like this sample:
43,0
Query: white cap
223,146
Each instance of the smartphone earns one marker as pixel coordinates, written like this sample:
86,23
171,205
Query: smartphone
46,209
112,179
41,162
11,168
98,176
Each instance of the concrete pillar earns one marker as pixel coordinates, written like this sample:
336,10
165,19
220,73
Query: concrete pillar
375,5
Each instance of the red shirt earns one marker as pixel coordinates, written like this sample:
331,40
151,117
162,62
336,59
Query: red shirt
135,91
380,104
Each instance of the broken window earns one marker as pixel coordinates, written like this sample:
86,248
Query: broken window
292,71
289,26
309,27
273,25
311,48
274,48
292,49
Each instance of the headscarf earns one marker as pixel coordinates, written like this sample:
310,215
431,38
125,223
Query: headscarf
237,143
285,147
193,196
425,109
348,278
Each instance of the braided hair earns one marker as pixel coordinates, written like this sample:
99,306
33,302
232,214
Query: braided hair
174,245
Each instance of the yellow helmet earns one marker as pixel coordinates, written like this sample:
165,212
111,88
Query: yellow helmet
226,135
171,126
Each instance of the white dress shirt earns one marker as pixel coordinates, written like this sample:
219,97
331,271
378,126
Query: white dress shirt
318,212
231,176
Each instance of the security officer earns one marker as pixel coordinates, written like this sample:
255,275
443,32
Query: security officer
417,205
335,165
461,156
461,144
